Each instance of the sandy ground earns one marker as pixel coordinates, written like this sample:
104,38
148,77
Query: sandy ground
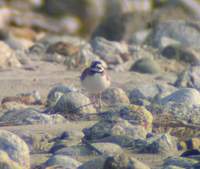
43,78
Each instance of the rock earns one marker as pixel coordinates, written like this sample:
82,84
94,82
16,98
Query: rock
162,144
83,58
49,40
191,153
97,162
190,144
32,98
108,149
167,41
63,48
112,27
139,37
63,161
7,163
16,149
146,65
123,161
8,58
37,50
188,55
196,166
114,127
74,102
171,52
16,43
149,92
189,78
67,139
57,58
180,162
56,93
138,114
135,115
37,142
75,151
184,113
12,105
81,10
113,96
30,116
188,96
172,167
185,32
110,52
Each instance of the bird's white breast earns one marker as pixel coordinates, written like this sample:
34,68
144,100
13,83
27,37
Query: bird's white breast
96,83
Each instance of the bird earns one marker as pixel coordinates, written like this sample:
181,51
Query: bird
95,80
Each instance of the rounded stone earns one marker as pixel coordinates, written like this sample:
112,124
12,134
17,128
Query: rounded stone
16,148
123,161
56,92
146,65
188,96
74,102
114,96
63,161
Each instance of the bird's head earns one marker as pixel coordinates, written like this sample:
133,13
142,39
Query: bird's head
96,66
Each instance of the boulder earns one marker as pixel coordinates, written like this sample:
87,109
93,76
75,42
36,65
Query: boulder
16,149
74,103
112,96
123,161
146,65
30,116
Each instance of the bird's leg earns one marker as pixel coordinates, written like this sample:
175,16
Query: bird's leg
93,99
99,101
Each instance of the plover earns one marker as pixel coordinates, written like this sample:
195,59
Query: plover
95,79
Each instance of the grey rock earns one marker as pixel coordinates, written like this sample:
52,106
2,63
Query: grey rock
186,163
196,166
67,139
160,144
15,147
110,52
187,55
114,127
172,167
18,43
150,92
123,141
123,161
74,151
188,96
74,102
8,57
53,39
63,161
102,148
189,78
146,65
112,27
97,162
56,92
107,149
6,162
139,37
115,95
185,32
167,41
30,116
55,57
